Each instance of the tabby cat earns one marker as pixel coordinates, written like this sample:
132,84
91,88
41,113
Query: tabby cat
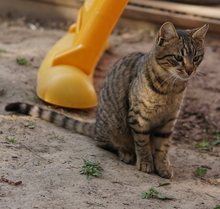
140,100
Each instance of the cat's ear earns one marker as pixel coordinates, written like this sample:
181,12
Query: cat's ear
167,31
199,33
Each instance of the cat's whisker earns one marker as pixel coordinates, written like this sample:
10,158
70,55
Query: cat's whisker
170,77
201,74
197,76
176,79
171,83
205,78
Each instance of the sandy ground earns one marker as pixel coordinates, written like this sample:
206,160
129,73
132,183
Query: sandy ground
48,159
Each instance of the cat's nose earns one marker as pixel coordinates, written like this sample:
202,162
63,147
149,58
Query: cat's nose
189,71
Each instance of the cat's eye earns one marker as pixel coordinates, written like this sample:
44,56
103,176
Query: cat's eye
178,58
195,59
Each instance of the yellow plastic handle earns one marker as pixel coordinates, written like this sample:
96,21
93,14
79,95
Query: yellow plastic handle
94,24
65,77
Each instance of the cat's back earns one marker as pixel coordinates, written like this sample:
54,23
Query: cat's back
117,81
113,98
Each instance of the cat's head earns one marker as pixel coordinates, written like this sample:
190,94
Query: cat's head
179,52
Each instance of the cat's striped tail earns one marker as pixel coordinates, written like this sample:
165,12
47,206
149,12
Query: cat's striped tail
76,126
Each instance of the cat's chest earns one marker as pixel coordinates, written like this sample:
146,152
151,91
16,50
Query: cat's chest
157,108
161,102
157,113
164,105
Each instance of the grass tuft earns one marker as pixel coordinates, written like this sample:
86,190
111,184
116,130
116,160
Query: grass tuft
153,193
11,140
200,171
22,61
91,169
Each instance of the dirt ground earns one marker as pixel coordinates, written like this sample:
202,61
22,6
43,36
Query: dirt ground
48,159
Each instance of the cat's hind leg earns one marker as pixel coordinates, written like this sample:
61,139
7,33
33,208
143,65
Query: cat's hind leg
125,145
118,145
105,143
126,156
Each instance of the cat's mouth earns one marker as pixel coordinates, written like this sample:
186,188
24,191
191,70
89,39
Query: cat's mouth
184,77
185,74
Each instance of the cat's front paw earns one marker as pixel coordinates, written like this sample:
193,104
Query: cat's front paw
146,167
165,172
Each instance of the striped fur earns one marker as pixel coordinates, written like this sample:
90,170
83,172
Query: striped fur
140,100
87,129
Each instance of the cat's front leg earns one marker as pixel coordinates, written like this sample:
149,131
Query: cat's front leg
161,140
144,158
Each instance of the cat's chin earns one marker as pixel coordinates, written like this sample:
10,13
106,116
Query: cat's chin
184,78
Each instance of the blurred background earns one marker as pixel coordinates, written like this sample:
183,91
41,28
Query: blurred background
48,159
183,13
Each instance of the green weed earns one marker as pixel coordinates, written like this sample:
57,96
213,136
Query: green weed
53,137
216,141
90,169
11,140
200,172
153,193
204,145
163,184
32,124
2,50
217,207
22,61
35,99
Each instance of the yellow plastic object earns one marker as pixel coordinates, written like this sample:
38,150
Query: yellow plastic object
65,77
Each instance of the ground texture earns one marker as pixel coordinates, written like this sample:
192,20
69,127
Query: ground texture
48,159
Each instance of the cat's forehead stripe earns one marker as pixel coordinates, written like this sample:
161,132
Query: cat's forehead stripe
188,49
